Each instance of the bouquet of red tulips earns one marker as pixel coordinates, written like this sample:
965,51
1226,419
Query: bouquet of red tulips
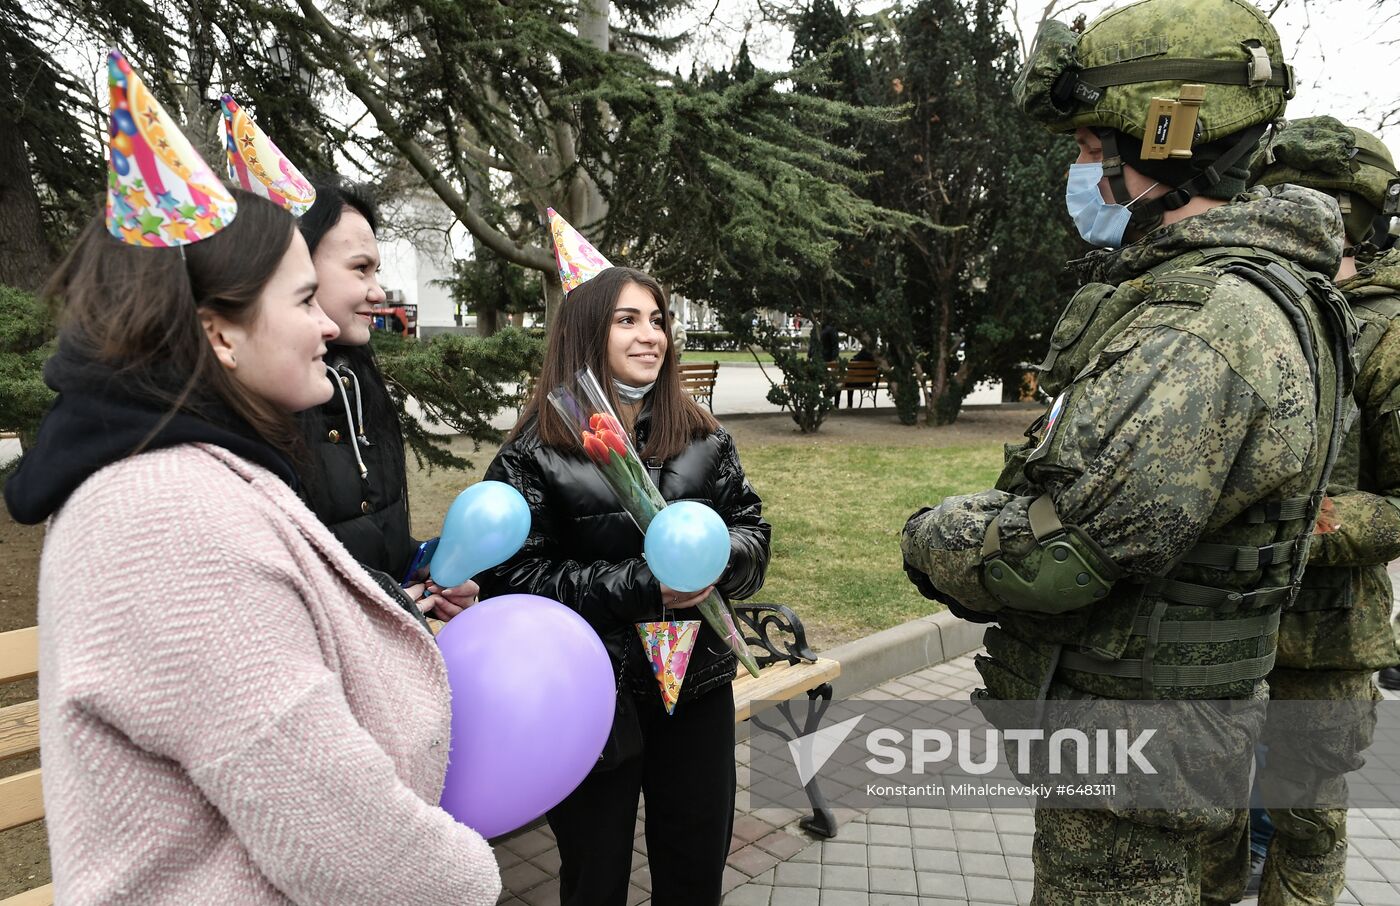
585,409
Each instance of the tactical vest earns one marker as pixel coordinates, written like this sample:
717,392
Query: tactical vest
1206,629
1341,617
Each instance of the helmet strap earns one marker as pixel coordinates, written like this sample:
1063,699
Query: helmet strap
1148,216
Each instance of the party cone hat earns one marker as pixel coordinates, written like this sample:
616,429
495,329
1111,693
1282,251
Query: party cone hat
578,260
669,644
160,192
257,165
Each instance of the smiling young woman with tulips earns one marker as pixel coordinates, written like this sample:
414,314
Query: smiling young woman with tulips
586,551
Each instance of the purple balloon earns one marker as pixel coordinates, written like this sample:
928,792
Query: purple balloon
532,703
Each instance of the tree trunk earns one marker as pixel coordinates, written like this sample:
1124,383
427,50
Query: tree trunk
25,254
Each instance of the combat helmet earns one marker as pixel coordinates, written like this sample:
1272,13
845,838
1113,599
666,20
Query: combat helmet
1350,164
1181,90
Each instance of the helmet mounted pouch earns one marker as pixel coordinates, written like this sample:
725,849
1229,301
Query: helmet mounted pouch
1048,86
1171,124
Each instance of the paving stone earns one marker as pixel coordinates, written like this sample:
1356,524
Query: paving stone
544,895
981,821
748,828
843,898
941,884
1014,822
1016,844
855,831
798,874
635,896
512,901
845,877
1361,826
990,865
1024,890
933,838
1374,893
749,895
531,843
521,877
889,815
979,842
893,880
893,899
811,854
936,860
930,817
548,862
991,890
795,896
890,835
765,878
890,857
731,879
642,878
506,859
782,844
834,853
1361,869
1375,849
1020,868
752,861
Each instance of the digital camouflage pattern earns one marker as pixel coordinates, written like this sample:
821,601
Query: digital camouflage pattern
1338,632
1341,620
1323,153
1193,403
1154,32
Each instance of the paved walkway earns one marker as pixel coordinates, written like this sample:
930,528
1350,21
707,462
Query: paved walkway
889,856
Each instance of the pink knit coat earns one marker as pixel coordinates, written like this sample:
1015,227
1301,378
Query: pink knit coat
230,710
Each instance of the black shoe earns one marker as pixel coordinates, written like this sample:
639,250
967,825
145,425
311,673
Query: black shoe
1389,678
1256,874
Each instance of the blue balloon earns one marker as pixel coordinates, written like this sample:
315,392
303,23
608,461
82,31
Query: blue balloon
120,163
687,546
123,120
485,526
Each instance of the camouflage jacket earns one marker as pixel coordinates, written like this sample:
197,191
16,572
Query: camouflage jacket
1195,403
1341,620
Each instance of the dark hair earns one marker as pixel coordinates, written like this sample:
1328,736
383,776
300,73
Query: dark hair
333,196
137,311
579,338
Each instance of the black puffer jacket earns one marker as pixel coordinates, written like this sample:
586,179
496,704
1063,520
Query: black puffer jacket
366,509
585,552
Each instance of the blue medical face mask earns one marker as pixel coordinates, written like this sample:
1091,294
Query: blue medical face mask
1100,223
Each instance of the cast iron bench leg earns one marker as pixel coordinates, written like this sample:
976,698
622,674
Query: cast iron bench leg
821,822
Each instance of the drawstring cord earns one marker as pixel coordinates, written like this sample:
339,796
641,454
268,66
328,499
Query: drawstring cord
355,433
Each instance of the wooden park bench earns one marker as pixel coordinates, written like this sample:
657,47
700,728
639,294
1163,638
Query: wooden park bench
863,378
698,379
787,669
21,796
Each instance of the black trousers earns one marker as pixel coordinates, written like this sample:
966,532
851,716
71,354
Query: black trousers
686,773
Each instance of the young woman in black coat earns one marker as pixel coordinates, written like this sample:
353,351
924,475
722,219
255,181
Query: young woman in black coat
357,482
585,552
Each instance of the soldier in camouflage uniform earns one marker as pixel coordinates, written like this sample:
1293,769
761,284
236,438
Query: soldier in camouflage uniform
1337,633
1142,543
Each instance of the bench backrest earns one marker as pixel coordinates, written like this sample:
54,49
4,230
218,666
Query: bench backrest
698,378
862,371
21,795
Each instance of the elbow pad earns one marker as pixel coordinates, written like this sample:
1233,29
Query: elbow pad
1073,571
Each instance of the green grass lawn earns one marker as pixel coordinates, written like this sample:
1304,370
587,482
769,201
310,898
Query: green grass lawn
836,511
699,355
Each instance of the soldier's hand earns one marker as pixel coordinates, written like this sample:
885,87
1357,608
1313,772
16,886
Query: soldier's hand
1327,519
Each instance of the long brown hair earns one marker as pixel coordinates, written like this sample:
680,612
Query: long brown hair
579,339
137,311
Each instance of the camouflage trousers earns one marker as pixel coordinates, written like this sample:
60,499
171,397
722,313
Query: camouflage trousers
1306,862
1089,857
